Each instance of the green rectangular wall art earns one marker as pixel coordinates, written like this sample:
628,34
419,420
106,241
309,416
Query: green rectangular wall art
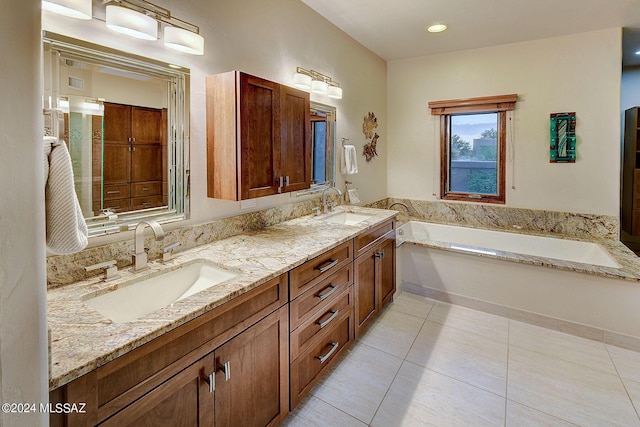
563,138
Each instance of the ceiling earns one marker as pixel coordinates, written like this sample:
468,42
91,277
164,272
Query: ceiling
396,29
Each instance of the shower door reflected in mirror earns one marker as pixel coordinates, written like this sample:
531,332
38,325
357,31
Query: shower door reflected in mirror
125,124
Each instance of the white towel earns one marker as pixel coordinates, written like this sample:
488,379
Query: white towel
353,196
349,162
66,229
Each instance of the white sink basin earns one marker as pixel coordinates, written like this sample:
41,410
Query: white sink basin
347,218
133,301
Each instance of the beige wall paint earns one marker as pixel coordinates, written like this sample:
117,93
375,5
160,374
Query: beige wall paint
578,73
267,39
23,343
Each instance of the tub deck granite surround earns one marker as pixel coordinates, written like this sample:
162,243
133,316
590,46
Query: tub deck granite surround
82,339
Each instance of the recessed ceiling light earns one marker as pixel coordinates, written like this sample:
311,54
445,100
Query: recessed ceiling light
638,52
437,28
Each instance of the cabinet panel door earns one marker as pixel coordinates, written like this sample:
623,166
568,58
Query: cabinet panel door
146,125
252,378
117,164
183,400
366,291
146,163
387,269
117,123
296,138
259,164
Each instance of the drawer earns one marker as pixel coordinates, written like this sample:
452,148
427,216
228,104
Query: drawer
317,269
119,205
146,202
636,181
340,306
367,239
319,295
151,188
116,191
636,203
307,370
635,227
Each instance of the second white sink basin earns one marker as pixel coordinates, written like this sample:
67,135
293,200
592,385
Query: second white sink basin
133,301
347,218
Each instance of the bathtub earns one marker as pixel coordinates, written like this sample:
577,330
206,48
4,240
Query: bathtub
578,286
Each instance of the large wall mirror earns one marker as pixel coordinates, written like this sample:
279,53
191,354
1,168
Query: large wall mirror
124,119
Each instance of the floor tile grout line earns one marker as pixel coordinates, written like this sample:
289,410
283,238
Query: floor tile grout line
340,410
506,383
633,405
543,412
404,359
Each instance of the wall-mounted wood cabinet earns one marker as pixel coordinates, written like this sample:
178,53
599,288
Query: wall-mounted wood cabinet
131,159
258,137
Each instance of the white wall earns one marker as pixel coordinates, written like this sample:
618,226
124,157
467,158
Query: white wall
267,39
23,343
578,73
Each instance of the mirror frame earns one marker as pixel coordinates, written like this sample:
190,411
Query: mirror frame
178,126
330,161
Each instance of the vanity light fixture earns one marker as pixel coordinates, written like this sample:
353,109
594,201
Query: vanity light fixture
317,83
131,23
178,34
79,9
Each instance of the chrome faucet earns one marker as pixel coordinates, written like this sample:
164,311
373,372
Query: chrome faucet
401,204
324,197
139,251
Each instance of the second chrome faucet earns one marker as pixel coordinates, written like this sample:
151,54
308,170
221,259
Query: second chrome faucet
139,251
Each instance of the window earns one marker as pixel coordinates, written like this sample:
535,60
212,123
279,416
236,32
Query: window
473,147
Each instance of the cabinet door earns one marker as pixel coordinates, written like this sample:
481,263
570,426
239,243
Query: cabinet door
366,291
252,378
186,400
259,164
387,270
117,123
295,139
116,164
146,125
146,163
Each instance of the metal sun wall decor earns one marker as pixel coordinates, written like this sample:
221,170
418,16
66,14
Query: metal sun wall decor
370,123
563,138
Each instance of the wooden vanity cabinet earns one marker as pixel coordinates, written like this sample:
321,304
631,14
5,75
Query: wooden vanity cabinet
258,137
374,272
146,384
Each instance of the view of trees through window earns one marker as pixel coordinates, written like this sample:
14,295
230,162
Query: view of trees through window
474,153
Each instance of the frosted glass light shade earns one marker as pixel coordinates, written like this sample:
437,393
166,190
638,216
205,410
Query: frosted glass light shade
334,92
302,81
183,40
132,23
79,9
318,86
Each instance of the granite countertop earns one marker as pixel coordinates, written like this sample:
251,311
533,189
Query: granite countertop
629,263
82,339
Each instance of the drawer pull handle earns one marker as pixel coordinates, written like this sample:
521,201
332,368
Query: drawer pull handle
145,189
226,368
327,294
113,192
327,265
334,347
211,380
334,313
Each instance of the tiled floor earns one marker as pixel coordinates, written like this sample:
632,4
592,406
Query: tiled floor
428,363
